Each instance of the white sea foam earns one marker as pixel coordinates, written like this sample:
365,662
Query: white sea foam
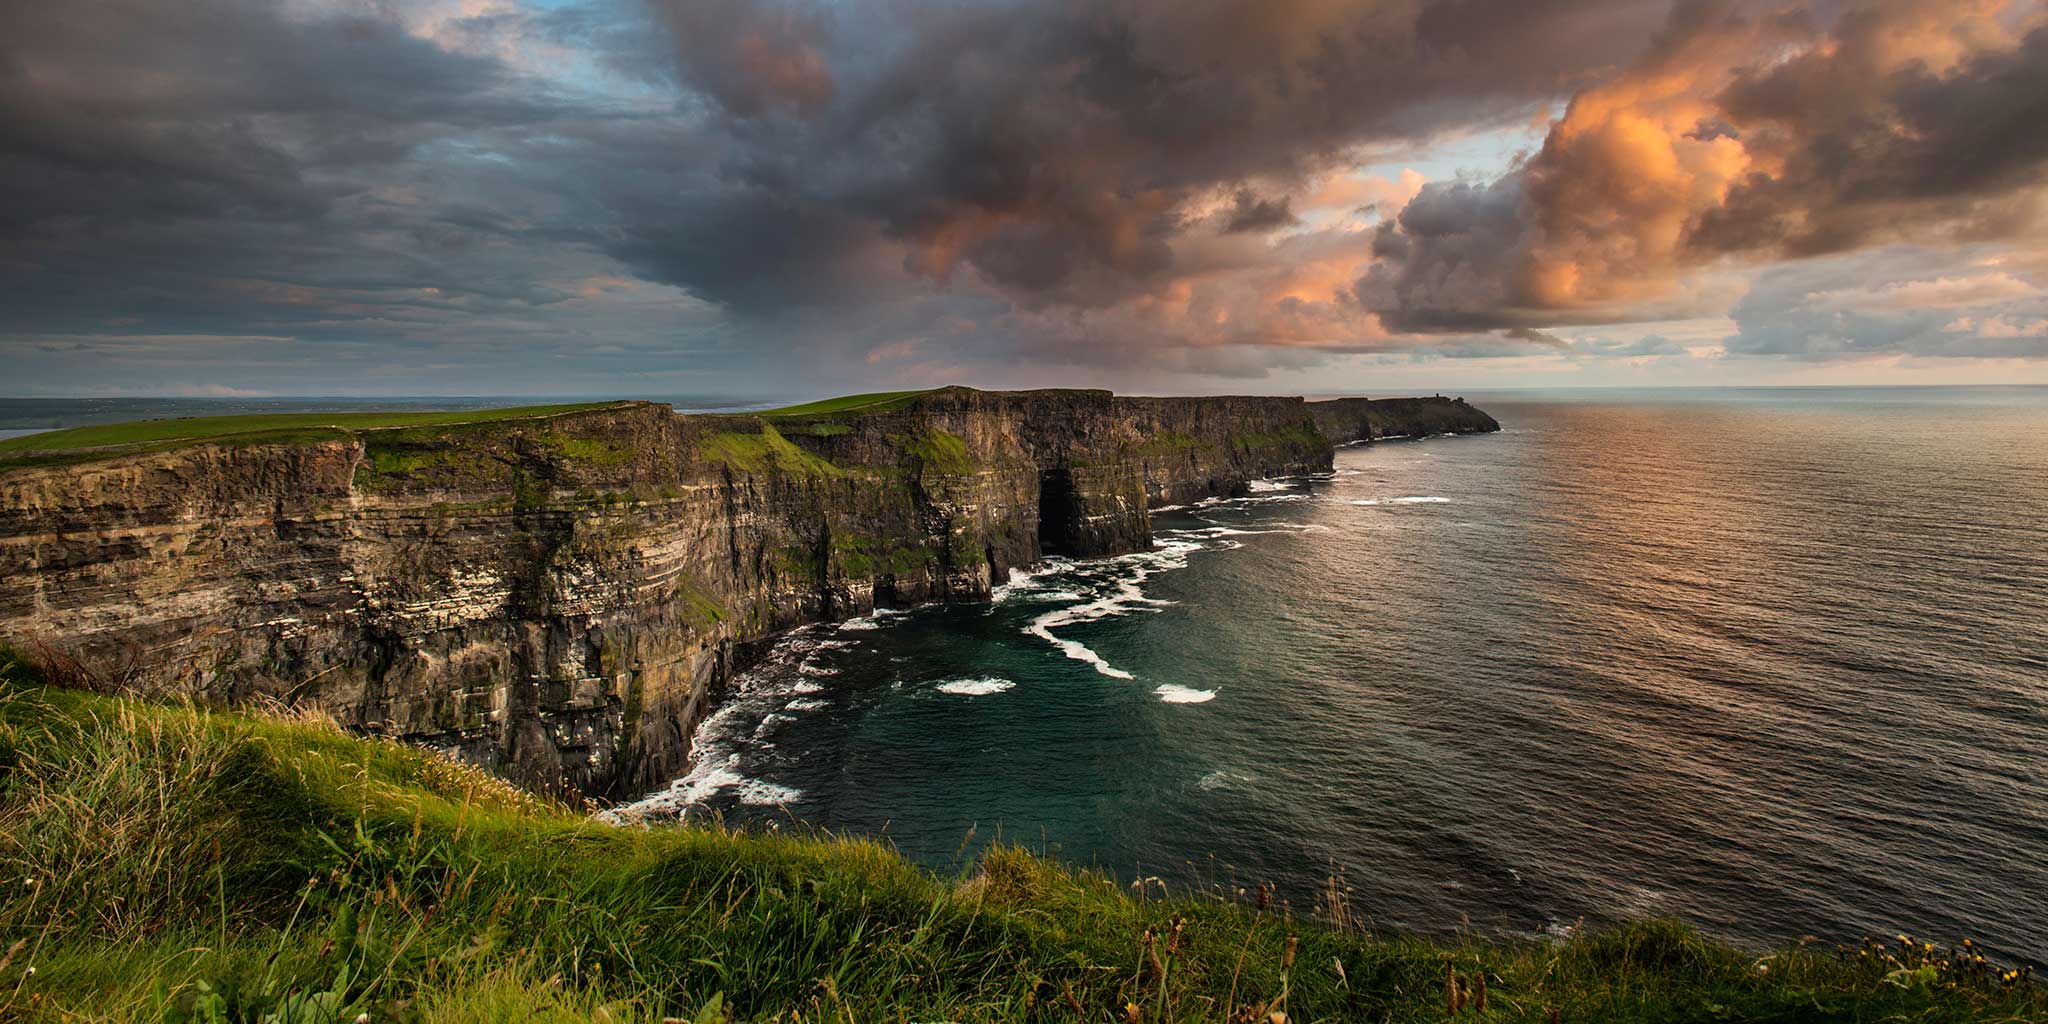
1124,593
975,687
1076,650
757,793
876,619
770,696
759,703
1269,486
1118,596
1025,581
1214,532
1411,500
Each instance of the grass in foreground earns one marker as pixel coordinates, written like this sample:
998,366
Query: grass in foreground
877,401
174,864
278,426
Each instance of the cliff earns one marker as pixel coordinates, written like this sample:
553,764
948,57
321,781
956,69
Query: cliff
1345,420
557,597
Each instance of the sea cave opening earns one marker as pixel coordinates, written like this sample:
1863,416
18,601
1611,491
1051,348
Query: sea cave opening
1059,513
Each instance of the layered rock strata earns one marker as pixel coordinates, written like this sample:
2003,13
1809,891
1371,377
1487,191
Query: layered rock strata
559,598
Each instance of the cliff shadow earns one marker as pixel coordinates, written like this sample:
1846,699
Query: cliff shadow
1059,513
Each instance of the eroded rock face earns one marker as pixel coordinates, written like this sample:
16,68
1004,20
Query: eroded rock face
560,598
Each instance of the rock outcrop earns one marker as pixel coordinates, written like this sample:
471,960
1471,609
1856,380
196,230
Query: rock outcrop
1345,420
558,598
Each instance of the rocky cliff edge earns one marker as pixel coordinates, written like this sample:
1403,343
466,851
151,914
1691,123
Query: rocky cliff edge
559,597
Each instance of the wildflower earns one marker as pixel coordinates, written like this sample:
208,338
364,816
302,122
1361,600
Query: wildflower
362,1018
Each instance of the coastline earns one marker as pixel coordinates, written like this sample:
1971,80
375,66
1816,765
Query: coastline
556,594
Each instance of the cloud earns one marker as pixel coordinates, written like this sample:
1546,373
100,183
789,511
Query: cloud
1747,133
1248,212
1888,303
465,195
1053,153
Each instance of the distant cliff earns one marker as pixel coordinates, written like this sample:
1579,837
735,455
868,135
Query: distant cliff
1345,420
558,597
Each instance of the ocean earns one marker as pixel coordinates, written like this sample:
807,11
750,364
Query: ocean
1774,661
1771,661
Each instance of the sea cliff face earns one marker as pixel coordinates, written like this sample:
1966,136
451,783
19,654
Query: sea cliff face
559,598
1345,420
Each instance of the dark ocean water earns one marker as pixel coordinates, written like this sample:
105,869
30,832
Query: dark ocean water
1772,661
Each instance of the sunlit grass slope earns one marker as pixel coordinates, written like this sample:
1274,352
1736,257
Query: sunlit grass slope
171,863
263,427
878,401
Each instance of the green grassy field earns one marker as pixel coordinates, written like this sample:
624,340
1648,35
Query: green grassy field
878,401
176,864
279,426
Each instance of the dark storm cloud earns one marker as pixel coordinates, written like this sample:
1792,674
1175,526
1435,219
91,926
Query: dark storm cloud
752,58
1050,148
217,164
365,175
161,111
1248,212
1928,149
619,187
1751,130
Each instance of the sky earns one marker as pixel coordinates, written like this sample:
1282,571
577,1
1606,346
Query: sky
649,197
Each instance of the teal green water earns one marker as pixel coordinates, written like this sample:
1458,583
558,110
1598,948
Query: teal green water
1772,661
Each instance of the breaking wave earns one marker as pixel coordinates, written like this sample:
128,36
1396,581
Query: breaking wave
975,687
1425,499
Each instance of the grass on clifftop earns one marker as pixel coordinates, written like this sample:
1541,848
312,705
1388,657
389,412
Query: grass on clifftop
765,451
168,863
266,427
878,401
